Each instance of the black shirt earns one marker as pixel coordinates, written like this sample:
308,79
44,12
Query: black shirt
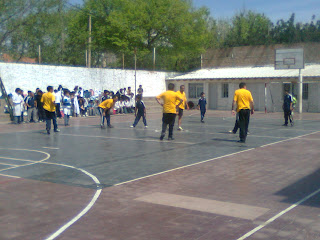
286,102
140,107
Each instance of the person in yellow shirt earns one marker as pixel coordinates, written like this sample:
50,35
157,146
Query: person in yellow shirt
104,108
170,102
49,106
243,99
180,109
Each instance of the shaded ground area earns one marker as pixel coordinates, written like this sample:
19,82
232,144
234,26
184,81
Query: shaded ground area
277,167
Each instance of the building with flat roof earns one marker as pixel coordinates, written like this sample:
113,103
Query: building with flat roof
266,84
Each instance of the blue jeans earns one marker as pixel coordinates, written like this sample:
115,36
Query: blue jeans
202,113
101,110
138,119
51,116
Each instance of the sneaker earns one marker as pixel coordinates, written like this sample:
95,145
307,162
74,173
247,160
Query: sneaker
48,132
285,125
231,131
241,141
162,136
292,124
180,128
102,126
57,130
202,121
110,126
170,138
248,133
145,126
132,126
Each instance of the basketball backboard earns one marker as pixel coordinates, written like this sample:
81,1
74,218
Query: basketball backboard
289,59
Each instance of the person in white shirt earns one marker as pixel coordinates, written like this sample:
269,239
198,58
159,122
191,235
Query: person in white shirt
127,105
58,96
17,101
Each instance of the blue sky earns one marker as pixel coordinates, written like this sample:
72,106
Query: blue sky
274,9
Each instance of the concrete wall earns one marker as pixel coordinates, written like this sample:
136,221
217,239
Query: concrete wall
29,77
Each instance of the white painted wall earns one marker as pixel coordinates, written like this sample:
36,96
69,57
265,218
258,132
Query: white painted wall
30,77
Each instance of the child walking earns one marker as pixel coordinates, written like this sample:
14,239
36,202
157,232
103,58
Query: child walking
140,111
202,106
66,104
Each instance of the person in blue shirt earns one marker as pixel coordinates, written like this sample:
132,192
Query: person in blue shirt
140,111
287,108
66,103
202,106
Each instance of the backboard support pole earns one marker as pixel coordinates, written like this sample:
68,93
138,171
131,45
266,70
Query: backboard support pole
300,93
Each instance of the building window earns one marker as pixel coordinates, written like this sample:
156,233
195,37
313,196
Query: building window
195,90
225,90
305,91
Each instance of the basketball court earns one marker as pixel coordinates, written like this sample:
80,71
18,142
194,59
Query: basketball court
122,183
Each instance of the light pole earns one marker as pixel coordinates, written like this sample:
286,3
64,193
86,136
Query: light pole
135,72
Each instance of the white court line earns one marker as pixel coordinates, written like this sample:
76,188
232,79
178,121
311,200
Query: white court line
252,127
131,139
186,166
11,176
51,148
8,164
29,164
278,215
17,159
211,133
85,210
212,159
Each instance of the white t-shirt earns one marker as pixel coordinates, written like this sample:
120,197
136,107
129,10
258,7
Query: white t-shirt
58,97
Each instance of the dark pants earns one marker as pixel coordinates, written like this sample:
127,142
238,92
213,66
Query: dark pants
107,116
58,110
287,115
202,113
244,117
41,114
51,116
138,119
168,119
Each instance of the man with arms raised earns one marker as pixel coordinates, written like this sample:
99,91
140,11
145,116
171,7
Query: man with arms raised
243,99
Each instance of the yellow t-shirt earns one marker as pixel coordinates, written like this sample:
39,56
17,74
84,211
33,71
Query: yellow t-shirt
106,104
169,101
48,100
243,98
184,98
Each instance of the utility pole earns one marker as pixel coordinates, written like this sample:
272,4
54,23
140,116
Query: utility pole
39,54
89,41
154,59
135,71
300,91
123,61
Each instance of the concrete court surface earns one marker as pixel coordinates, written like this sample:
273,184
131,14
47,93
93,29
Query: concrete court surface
123,183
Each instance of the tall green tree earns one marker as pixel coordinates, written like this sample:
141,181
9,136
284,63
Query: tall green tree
178,31
249,28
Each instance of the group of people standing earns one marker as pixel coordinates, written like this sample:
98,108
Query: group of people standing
48,106
174,103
